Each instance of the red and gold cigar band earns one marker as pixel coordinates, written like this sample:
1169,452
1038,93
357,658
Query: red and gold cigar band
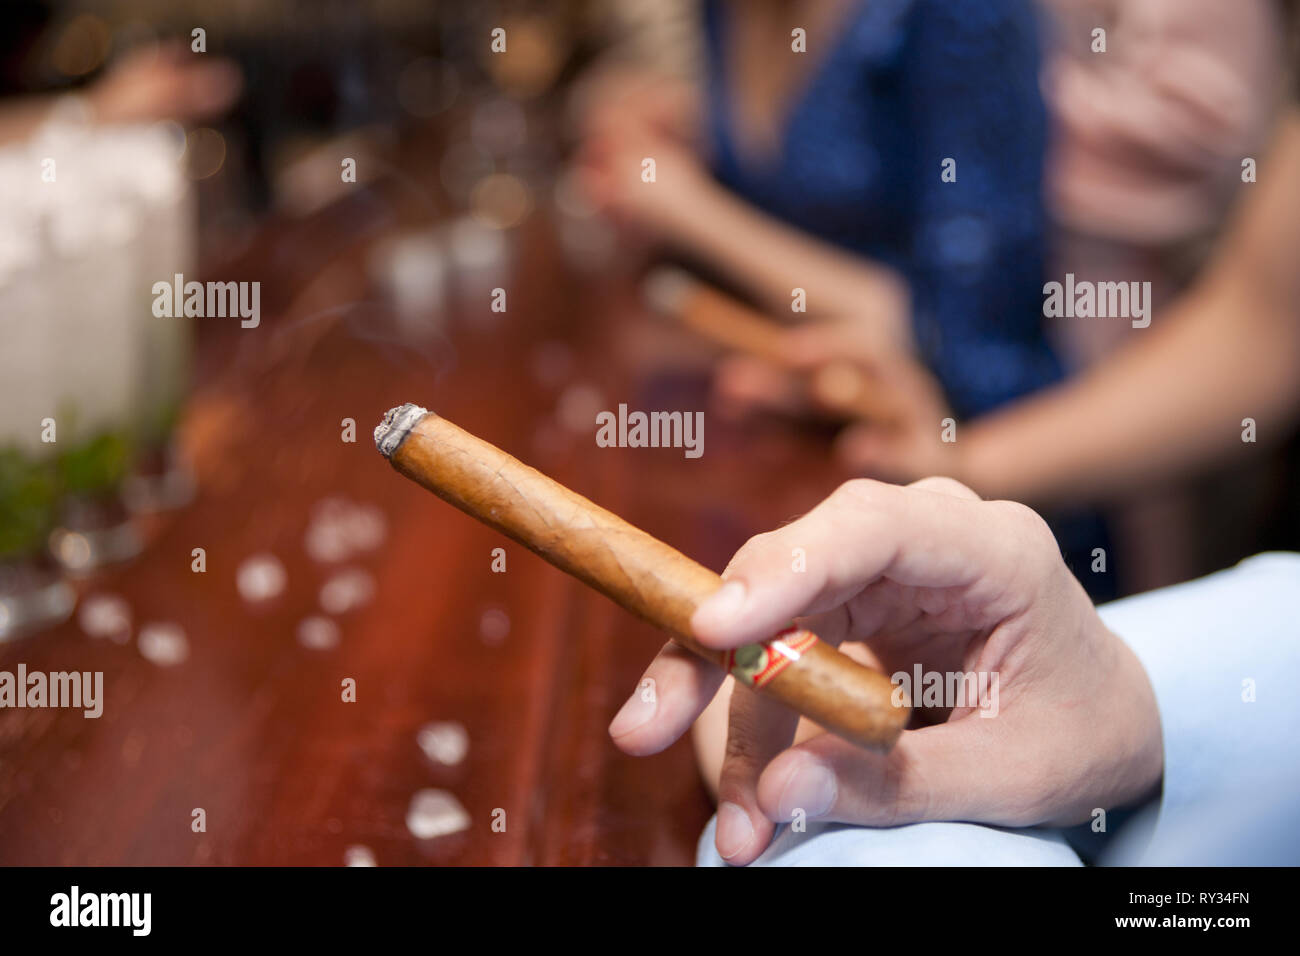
756,664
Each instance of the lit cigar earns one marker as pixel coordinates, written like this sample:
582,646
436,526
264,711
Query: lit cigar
840,386
644,575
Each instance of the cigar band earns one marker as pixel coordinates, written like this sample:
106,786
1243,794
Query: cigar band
757,664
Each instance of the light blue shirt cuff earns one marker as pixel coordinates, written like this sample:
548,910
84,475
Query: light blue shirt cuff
1223,656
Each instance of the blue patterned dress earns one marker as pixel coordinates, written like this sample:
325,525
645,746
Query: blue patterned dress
908,85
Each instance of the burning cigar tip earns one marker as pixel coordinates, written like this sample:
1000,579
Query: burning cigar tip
397,424
666,287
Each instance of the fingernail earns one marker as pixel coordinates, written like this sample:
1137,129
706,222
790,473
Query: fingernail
635,713
811,788
734,830
720,609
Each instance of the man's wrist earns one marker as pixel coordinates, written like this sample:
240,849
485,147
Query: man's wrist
1148,756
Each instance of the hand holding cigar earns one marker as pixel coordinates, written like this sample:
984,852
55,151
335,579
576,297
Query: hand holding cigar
637,571
839,386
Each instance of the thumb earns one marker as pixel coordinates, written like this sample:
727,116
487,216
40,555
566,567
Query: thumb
946,772
863,531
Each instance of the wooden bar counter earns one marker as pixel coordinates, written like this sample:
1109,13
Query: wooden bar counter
251,726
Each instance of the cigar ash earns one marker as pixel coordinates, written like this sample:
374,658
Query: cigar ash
397,424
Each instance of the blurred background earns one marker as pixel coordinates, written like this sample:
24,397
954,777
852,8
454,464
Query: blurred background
449,204
164,156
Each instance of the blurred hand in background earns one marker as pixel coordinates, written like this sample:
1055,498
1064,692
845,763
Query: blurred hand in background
165,82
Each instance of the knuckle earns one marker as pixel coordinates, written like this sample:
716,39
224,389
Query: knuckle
942,484
754,546
1028,526
858,492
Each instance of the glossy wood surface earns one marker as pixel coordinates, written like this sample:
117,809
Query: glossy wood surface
251,726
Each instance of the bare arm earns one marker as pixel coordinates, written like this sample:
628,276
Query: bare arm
1176,399
771,259
686,207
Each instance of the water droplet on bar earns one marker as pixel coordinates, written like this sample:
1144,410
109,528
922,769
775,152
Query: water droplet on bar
493,626
318,633
444,742
340,528
347,590
358,855
261,578
435,813
325,542
165,644
366,527
105,615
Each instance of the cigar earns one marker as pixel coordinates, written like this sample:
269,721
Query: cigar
840,387
719,318
634,569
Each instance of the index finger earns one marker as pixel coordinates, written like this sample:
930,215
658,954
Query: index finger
867,530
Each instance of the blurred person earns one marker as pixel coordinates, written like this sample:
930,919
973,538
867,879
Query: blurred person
824,171
1154,105
650,46
893,173
1175,704
1148,137
1173,401
148,84
1149,141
